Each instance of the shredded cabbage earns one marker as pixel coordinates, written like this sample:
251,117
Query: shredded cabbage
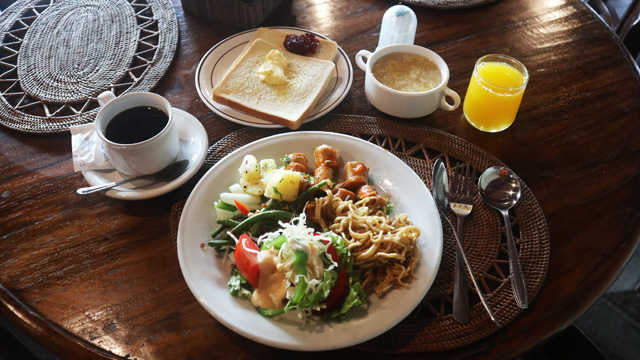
319,278
307,291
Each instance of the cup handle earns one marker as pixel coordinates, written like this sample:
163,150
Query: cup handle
105,97
452,94
360,57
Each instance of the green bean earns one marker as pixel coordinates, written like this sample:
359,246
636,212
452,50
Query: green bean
218,243
228,222
265,215
218,231
270,204
307,194
252,223
255,228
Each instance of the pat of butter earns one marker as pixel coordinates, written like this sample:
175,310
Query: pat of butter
272,71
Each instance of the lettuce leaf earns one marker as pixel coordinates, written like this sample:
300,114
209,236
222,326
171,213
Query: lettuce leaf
309,294
306,299
355,298
238,285
355,293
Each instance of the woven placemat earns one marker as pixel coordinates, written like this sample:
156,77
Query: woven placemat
431,326
448,4
58,56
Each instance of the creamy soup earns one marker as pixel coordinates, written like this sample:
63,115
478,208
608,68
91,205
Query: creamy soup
408,72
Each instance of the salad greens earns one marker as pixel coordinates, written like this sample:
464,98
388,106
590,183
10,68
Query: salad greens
315,274
298,248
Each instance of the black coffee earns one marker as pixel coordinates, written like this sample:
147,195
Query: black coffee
135,125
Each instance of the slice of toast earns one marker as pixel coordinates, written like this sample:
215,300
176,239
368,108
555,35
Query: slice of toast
288,104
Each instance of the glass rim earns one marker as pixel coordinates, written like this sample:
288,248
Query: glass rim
509,60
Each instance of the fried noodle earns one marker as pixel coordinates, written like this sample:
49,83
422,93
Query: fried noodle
384,247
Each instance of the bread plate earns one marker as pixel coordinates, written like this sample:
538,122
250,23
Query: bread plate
221,56
207,275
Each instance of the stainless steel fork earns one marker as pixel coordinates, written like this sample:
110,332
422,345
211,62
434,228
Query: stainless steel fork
461,203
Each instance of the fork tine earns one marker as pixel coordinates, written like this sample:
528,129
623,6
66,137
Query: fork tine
463,182
455,184
470,182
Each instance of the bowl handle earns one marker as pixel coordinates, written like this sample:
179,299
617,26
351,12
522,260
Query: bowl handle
453,95
360,57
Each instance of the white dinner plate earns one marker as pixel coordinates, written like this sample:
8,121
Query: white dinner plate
219,58
194,143
206,274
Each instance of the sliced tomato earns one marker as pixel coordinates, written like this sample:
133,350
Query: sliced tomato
246,256
339,290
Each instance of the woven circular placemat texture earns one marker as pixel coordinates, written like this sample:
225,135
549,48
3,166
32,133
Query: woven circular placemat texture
448,4
56,57
431,326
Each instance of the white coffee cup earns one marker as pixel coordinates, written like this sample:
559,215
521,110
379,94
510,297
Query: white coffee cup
400,103
146,156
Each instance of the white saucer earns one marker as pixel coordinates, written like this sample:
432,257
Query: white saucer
218,60
194,143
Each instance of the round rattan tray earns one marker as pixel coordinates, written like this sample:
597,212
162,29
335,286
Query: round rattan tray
431,326
56,57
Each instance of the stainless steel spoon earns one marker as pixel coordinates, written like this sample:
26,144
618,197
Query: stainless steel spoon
169,173
500,189
441,197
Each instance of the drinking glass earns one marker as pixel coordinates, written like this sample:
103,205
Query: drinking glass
495,92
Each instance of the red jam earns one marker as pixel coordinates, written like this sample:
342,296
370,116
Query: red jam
301,44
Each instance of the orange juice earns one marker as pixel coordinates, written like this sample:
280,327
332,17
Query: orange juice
495,92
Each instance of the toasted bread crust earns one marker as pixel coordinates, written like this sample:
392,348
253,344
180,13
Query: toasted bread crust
293,125
327,50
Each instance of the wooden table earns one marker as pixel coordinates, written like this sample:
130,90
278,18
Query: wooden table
95,277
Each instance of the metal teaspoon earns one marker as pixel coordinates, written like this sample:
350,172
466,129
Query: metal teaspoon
441,197
169,173
500,189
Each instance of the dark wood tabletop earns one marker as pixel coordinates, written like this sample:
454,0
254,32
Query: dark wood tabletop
96,277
